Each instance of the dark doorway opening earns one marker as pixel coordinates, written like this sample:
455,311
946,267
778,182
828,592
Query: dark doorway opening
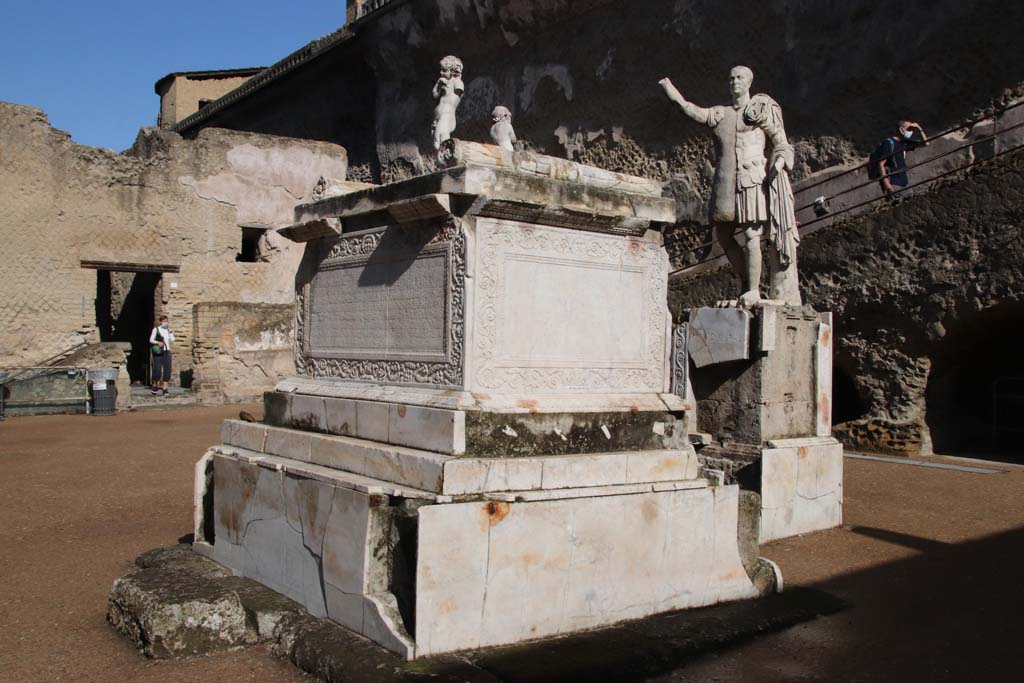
975,391
847,403
126,305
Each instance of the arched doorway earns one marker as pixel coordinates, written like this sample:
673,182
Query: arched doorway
975,392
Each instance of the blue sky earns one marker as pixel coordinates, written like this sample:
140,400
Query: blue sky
91,64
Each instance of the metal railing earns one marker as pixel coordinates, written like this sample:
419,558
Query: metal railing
41,388
949,131
46,362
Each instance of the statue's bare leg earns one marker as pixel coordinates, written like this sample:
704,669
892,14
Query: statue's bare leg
745,260
752,252
725,234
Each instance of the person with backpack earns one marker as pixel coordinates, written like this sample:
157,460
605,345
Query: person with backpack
888,163
160,345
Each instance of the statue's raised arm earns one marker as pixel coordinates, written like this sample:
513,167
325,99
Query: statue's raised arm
698,114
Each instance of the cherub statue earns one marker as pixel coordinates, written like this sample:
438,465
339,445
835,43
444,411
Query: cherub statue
749,192
502,133
448,93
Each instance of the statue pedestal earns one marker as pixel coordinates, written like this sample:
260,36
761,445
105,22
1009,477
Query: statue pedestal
481,446
763,384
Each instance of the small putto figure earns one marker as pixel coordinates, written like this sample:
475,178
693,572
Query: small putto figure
448,94
502,133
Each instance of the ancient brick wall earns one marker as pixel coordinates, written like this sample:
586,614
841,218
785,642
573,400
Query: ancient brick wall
241,350
165,201
924,290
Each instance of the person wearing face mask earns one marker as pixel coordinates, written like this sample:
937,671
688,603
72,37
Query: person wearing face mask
160,343
890,159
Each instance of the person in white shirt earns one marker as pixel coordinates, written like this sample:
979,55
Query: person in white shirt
160,343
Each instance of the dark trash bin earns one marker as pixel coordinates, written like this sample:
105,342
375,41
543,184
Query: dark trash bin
102,391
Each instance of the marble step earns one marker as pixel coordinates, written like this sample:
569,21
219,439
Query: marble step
329,475
646,425
448,475
406,466
595,491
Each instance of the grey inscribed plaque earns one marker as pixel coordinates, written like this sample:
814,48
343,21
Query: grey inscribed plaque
389,307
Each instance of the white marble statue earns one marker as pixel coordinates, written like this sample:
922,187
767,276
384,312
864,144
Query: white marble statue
751,191
447,93
502,132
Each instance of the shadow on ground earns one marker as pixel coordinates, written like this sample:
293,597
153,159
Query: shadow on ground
953,612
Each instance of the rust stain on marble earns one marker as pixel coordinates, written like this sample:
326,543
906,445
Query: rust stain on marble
496,512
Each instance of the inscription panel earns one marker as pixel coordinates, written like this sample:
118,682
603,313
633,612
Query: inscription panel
393,308
385,306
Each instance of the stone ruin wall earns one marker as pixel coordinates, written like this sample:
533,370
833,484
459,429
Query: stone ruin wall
241,350
581,78
920,289
164,201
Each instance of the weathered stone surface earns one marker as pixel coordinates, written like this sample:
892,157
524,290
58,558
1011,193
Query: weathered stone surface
493,573
480,433
179,604
594,491
336,655
499,184
906,315
524,434
312,230
326,539
774,394
599,103
404,466
801,488
578,329
464,475
329,475
322,542
391,307
240,350
431,429
462,153
167,201
451,399
467,476
718,335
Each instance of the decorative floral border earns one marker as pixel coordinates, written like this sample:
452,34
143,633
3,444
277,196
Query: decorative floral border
680,359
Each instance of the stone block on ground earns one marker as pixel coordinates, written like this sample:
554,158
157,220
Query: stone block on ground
178,604
168,578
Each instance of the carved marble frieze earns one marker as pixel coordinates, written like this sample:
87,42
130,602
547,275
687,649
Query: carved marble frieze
387,306
563,311
680,359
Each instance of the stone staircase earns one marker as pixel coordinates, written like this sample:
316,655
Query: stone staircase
143,399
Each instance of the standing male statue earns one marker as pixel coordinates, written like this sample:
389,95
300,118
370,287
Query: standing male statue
749,192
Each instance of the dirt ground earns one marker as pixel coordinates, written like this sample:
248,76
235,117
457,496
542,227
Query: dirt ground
929,560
